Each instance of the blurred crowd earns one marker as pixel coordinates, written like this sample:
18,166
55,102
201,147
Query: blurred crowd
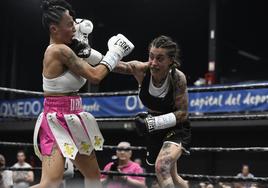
121,161
16,179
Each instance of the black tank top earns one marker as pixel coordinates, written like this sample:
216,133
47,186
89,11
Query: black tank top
161,104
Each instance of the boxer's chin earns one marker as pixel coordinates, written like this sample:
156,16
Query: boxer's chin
154,70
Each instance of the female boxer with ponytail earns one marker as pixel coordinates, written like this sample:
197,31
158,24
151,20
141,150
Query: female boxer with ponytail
163,91
63,128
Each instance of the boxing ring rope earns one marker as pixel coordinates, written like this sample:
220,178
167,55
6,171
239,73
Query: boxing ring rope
258,116
190,89
142,148
100,94
191,118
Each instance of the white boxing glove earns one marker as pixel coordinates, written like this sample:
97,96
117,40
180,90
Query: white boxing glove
119,46
83,28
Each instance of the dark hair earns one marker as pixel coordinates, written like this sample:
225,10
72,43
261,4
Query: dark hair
171,46
53,11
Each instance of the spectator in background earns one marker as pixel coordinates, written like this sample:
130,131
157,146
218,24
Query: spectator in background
139,161
123,164
5,175
22,179
206,185
254,185
238,185
202,185
245,173
210,186
224,185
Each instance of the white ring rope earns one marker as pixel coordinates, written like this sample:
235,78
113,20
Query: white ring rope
255,116
190,89
193,149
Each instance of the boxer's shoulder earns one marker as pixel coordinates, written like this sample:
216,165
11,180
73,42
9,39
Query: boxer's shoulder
55,49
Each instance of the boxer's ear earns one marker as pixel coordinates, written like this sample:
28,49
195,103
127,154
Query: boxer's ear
53,28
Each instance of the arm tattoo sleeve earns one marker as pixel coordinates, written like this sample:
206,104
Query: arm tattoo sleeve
124,68
71,60
181,99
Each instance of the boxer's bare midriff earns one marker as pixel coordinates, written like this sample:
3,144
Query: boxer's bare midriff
48,94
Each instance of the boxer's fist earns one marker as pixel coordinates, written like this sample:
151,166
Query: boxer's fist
83,28
120,45
81,49
141,122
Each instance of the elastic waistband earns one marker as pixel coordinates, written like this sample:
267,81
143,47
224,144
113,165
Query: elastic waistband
65,104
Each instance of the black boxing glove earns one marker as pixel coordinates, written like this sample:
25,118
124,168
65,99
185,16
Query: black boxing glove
81,49
146,123
141,123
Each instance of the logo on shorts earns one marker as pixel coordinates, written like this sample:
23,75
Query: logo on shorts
97,141
85,147
68,149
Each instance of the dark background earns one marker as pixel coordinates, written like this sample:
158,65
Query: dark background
241,27
241,57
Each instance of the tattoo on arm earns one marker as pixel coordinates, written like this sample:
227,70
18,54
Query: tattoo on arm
181,99
124,68
71,60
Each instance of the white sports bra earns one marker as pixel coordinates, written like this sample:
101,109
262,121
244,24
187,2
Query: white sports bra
65,83
159,91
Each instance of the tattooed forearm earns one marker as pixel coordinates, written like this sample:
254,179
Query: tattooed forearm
124,68
181,116
182,107
71,60
181,98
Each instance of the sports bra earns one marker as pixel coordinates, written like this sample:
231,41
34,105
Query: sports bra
160,92
65,83
157,99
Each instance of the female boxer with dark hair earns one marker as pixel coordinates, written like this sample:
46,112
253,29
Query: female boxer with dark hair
163,91
64,129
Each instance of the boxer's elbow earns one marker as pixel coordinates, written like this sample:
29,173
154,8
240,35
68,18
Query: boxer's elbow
96,79
95,75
